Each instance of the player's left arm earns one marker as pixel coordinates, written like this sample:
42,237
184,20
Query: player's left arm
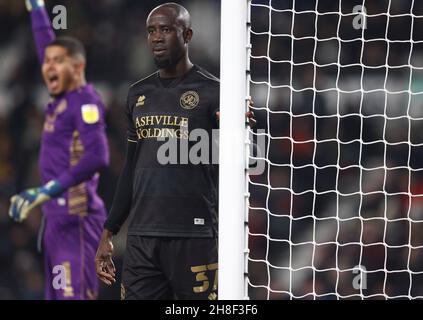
251,121
90,125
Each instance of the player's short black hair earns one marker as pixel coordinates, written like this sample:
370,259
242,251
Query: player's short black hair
72,45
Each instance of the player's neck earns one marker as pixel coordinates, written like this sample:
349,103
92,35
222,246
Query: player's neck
177,70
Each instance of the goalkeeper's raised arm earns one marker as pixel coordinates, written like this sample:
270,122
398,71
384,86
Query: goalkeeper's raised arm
42,30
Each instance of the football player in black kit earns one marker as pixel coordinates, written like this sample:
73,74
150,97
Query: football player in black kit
171,248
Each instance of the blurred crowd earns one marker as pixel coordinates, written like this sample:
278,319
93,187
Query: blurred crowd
342,109
340,202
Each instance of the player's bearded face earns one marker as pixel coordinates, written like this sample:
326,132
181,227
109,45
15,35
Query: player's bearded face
59,70
166,40
167,60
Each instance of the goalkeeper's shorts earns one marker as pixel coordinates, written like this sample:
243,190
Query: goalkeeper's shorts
70,243
161,268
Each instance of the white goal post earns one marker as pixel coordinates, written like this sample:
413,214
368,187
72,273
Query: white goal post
232,151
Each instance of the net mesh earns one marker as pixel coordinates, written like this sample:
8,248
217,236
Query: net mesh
338,89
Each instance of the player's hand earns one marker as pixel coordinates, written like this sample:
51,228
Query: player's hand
34,4
22,203
104,265
251,121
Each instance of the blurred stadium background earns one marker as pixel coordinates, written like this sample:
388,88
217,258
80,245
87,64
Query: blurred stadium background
114,34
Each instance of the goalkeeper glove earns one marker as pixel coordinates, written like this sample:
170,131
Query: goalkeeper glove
34,4
22,203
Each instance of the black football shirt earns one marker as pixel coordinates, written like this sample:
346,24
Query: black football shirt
174,192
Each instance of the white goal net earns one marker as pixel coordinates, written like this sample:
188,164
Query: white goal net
338,88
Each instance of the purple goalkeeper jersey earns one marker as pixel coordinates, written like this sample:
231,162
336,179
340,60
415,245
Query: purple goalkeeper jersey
74,145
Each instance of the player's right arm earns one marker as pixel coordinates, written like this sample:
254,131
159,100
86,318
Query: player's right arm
41,26
121,207
120,210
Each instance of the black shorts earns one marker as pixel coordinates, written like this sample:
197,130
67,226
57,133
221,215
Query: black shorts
160,268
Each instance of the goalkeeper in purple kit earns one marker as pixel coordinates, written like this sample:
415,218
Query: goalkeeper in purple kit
73,150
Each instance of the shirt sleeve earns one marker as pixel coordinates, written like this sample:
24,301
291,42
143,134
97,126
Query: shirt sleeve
92,142
131,133
215,107
122,199
123,196
42,31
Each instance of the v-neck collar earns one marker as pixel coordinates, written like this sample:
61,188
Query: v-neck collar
175,81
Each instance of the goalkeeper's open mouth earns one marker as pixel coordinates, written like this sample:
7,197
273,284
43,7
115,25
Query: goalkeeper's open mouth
52,82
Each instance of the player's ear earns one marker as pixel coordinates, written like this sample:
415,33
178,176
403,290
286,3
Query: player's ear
81,62
188,35
82,66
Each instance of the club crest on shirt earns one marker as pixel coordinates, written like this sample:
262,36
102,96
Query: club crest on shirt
189,100
141,101
90,113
